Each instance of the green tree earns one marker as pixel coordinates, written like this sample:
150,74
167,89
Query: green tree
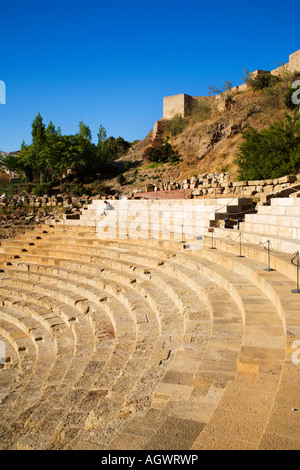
84,131
55,155
50,130
102,135
272,152
38,142
9,162
108,150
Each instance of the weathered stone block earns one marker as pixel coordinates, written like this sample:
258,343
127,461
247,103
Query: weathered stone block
287,179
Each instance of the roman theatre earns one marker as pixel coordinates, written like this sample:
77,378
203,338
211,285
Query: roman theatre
149,325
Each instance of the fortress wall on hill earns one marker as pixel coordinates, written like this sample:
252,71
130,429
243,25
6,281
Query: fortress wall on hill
181,104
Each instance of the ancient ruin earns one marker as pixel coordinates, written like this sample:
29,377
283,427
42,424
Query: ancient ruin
148,325
169,320
182,103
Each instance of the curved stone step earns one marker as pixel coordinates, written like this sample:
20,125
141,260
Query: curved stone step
216,333
59,376
55,279
26,351
283,427
240,362
273,318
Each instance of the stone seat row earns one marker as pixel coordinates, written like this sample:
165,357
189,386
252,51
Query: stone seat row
22,275
177,394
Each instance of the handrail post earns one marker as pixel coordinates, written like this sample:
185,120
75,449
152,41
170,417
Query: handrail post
211,230
240,255
269,269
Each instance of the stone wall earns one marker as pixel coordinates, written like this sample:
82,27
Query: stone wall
157,129
43,201
177,104
293,65
158,219
218,185
181,104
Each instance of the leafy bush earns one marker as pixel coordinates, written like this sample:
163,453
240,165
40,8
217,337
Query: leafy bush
159,152
72,189
262,80
41,189
174,159
121,180
155,152
272,152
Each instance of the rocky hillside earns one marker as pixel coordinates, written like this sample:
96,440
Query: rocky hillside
209,139
211,146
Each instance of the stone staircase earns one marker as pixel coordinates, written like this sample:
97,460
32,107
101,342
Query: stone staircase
159,219
279,223
140,344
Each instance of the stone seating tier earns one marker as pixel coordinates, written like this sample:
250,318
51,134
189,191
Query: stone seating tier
141,344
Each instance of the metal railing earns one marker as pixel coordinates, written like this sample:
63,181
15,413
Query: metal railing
295,260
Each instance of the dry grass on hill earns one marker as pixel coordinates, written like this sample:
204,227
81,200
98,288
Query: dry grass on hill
208,146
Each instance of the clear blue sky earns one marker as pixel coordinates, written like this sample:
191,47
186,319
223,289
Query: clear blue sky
112,63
